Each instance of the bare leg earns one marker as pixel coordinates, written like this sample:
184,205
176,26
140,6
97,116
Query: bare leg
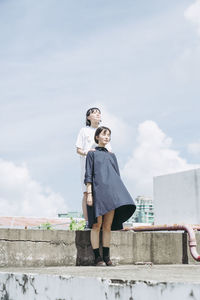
107,222
84,206
94,234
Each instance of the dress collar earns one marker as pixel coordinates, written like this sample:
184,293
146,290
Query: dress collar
101,149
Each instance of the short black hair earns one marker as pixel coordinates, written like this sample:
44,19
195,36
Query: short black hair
89,111
99,130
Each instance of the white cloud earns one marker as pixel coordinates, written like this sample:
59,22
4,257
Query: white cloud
194,148
185,68
153,156
121,131
192,13
20,195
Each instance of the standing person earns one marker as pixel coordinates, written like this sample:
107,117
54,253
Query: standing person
84,143
109,203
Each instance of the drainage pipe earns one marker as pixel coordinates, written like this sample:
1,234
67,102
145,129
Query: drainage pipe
188,228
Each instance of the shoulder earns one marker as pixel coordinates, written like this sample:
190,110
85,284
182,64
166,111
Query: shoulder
91,153
83,130
113,155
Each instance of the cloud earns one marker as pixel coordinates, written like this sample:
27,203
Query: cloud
194,148
192,13
185,67
121,131
20,195
152,156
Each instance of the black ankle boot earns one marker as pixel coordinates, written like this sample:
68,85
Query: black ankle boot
107,261
98,259
98,262
106,256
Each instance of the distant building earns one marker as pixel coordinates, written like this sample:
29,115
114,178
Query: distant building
71,214
144,211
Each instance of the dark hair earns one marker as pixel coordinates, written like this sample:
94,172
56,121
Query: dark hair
89,111
99,130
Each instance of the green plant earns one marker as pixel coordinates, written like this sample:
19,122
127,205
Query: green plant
47,226
74,225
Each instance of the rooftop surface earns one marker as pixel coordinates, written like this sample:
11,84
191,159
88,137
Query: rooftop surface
32,222
158,273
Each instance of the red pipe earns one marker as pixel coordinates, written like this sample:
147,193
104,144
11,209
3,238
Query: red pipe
188,228
196,227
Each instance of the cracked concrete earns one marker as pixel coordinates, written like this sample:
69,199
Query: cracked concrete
32,248
121,282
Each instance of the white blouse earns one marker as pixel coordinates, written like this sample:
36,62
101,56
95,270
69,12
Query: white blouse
86,142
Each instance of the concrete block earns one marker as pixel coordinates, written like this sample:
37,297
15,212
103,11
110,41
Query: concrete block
121,247
84,251
142,247
167,248
20,247
177,198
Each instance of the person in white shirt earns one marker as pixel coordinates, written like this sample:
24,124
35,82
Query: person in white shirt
85,142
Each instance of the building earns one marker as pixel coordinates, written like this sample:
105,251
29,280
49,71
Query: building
144,210
71,214
177,198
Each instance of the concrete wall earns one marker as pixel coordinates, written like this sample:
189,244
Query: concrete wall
177,198
35,248
20,247
15,286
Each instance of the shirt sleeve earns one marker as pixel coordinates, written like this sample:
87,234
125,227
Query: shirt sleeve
89,167
80,139
116,164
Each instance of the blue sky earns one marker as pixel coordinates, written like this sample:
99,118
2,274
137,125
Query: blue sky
138,61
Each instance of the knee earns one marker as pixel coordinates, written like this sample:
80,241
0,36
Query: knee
106,227
97,226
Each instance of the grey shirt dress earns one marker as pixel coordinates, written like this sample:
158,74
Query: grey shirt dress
109,192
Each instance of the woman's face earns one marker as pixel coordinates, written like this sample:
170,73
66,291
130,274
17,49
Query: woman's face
94,116
103,138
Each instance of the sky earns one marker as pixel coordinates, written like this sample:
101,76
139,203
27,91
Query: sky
138,61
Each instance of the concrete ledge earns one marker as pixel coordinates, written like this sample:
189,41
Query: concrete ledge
20,247
161,282
35,248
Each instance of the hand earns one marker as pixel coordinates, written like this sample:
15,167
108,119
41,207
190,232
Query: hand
89,200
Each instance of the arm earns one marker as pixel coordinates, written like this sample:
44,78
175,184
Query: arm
80,143
89,176
89,194
81,151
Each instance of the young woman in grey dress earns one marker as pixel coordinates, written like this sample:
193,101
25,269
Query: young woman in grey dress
109,204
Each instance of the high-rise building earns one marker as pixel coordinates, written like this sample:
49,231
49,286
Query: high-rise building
71,214
144,210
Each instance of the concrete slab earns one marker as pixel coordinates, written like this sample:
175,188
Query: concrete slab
128,282
159,273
